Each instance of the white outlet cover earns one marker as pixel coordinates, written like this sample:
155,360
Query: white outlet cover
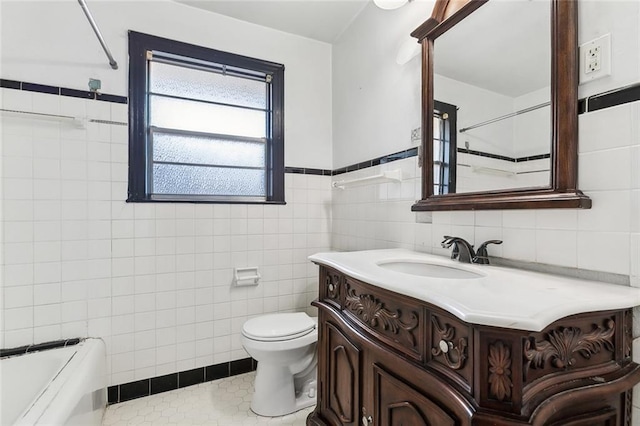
605,59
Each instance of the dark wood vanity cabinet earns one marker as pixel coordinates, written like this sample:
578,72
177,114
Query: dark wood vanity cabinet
388,359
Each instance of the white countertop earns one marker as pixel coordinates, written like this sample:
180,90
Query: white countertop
501,297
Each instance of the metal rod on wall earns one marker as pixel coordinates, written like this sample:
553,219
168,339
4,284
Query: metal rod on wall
513,114
78,120
85,9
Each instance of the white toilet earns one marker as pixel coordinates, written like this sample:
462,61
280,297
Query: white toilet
285,347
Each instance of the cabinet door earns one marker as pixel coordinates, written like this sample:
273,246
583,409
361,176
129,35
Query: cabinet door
343,377
397,403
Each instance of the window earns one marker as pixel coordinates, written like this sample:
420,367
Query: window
444,148
205,125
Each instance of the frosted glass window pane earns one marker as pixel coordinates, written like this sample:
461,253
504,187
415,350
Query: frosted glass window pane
193,180
437,151
201,117
436,127
201,150
436,173
209,86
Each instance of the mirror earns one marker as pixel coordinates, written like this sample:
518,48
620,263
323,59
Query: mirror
500,87
500,106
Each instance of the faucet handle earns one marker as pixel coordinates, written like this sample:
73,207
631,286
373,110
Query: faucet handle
448,240
486,243
482,255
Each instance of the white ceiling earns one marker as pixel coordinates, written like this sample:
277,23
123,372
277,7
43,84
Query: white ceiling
322,20
504,47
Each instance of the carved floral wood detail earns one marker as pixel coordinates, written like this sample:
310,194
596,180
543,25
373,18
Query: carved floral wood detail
373,312
443,337
561,346
500,383
628,333
628,407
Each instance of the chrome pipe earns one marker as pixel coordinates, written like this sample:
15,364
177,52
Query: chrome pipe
85,9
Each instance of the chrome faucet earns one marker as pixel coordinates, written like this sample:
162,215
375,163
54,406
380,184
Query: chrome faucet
464,252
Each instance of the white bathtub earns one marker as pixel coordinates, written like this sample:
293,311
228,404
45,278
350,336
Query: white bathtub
65,386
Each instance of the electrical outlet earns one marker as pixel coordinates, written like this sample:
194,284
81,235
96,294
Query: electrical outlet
416,135
595,59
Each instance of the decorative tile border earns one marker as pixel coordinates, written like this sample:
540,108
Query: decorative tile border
503,157
155,385
22,350
62,91
610,99
307,171
407,153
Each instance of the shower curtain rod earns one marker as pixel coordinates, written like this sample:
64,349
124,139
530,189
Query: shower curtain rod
513,114
85,9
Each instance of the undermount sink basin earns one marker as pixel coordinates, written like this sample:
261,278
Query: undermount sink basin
426,269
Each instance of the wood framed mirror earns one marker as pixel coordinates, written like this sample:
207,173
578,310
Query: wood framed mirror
520,185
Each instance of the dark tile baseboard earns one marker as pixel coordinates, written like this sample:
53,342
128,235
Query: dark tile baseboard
155,385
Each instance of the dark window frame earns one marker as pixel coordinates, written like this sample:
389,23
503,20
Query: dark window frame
450,133
139,44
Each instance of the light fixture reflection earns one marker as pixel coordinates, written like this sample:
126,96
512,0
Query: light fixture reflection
409,49
390,4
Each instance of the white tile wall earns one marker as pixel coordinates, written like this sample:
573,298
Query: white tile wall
153,280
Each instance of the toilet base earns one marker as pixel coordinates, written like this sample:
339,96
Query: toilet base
275,394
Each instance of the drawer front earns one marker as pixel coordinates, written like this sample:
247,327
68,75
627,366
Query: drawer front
394,321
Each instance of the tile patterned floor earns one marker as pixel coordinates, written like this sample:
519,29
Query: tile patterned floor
222,402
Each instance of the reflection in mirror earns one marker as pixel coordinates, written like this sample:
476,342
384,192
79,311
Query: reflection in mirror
492,90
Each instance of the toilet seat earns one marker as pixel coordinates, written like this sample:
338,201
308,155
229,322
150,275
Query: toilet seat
278,327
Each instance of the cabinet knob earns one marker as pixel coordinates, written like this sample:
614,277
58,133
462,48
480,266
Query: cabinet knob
445,346
367,421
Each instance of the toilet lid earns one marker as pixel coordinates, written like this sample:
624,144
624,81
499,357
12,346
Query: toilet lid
278,326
